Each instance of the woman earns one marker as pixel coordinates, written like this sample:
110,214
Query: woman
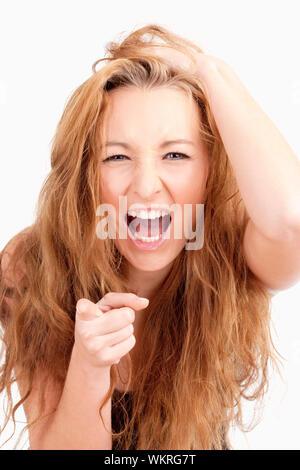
160,337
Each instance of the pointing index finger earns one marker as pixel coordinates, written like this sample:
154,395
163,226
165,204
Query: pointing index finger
118,300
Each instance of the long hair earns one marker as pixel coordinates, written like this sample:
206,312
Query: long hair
206,343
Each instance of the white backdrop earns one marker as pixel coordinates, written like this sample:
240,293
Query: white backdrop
47,50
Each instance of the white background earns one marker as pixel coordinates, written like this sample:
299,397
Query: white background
47,49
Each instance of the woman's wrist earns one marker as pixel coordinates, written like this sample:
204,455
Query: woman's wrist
89,372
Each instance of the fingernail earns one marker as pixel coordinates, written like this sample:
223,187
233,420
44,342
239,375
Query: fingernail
143,299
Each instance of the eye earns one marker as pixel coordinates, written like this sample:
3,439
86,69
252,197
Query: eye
115,158
120,158
181,156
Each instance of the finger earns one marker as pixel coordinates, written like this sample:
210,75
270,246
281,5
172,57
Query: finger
87,310
119,350
114,320
103,308
117,337
117,300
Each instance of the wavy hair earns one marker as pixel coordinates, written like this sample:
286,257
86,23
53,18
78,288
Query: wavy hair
210,343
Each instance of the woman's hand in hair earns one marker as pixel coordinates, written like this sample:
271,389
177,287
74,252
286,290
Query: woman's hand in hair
104,331
194,62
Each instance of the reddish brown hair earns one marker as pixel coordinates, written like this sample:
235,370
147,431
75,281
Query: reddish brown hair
210,343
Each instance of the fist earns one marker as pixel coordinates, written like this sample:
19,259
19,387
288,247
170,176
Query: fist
104,330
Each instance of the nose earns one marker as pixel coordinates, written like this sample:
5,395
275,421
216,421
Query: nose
146,180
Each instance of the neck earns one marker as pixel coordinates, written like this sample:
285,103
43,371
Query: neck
145,283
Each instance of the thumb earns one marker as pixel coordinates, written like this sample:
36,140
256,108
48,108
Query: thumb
87,310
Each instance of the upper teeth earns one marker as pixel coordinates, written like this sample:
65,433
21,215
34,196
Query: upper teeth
143,214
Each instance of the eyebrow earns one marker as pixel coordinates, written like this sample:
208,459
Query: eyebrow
163,144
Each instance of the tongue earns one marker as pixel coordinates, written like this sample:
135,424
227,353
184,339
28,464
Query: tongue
147,227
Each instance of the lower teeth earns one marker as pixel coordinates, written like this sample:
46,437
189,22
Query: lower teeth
147,239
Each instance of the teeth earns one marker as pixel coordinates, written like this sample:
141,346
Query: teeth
143,214
146,239
132,213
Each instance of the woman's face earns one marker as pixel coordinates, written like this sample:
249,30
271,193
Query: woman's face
151,173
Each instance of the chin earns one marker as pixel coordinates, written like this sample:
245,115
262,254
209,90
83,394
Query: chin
152,260
150,265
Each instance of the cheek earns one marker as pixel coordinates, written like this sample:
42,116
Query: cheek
189,193
189,190
188,182
111,187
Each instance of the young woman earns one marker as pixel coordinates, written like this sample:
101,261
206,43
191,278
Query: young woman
146,341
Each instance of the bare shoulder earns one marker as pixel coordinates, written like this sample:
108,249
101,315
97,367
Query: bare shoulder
31,405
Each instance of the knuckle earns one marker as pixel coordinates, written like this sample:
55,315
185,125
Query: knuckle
96,348
86,336
79,301
91,343
132,341
82,303
105,356
92,348
129,312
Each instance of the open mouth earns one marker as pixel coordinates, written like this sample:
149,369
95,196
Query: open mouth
148,227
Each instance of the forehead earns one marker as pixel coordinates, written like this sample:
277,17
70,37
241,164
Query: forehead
160,111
